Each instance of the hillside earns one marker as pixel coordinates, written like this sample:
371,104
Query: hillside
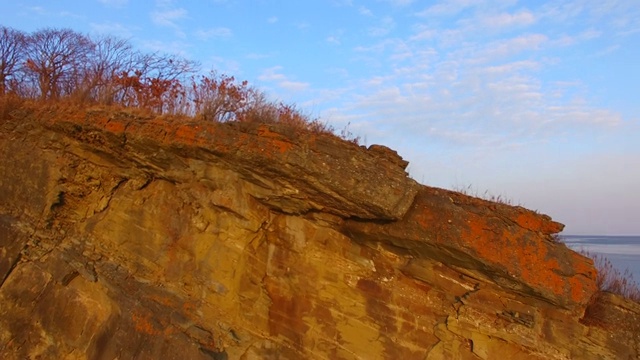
126,236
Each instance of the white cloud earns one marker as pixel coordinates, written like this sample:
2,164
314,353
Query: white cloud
337,71
504,20
476,95
275,75
222,65
169,17
423,33
499,49
570,40
272,74
293,85
116,29
618,16
171,47
513,67
342,2
579,113
400,3
258,56
628,32
563,10
383,28
114,3
379,47
37,9
334,40
608,50
220,32
272,20
41,11
365,11
451,7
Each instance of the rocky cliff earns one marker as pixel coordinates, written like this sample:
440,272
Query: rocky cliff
145,238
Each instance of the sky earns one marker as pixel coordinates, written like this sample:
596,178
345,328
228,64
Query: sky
537,102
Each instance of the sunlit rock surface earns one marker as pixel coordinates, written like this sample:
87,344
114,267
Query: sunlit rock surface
132,238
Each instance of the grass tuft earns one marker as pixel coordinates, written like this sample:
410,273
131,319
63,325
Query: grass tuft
469,190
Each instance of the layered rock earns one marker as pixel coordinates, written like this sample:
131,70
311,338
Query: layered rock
124,237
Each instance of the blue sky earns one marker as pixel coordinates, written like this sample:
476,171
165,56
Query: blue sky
535,101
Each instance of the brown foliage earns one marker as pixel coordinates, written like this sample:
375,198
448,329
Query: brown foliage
219,98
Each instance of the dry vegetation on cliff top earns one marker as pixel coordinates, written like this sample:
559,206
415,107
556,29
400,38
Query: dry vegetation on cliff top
53,68
60,66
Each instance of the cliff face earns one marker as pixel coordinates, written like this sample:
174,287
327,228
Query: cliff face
146,238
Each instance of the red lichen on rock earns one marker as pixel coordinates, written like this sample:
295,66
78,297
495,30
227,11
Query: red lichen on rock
537,222
115,126
509,240
143,324
187,134
273,142
526,256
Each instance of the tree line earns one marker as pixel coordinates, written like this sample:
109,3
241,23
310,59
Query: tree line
52,65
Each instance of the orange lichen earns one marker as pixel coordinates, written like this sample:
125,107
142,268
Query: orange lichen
521,258
186,134
163,300
536,222
142,323
274,139
115,126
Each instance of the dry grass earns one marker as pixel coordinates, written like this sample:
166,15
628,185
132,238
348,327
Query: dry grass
605,311
469,190
555,238
610,279
8,104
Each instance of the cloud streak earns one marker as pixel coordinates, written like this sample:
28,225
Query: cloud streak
213,33
170,18
274,75
114,3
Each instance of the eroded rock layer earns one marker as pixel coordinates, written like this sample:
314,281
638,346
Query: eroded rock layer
135,238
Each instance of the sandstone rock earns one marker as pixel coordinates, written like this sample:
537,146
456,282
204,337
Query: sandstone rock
291,171
138,238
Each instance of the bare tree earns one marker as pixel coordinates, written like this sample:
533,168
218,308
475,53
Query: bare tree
110,58
12,53
56,59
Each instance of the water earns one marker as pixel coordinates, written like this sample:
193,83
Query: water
622,251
